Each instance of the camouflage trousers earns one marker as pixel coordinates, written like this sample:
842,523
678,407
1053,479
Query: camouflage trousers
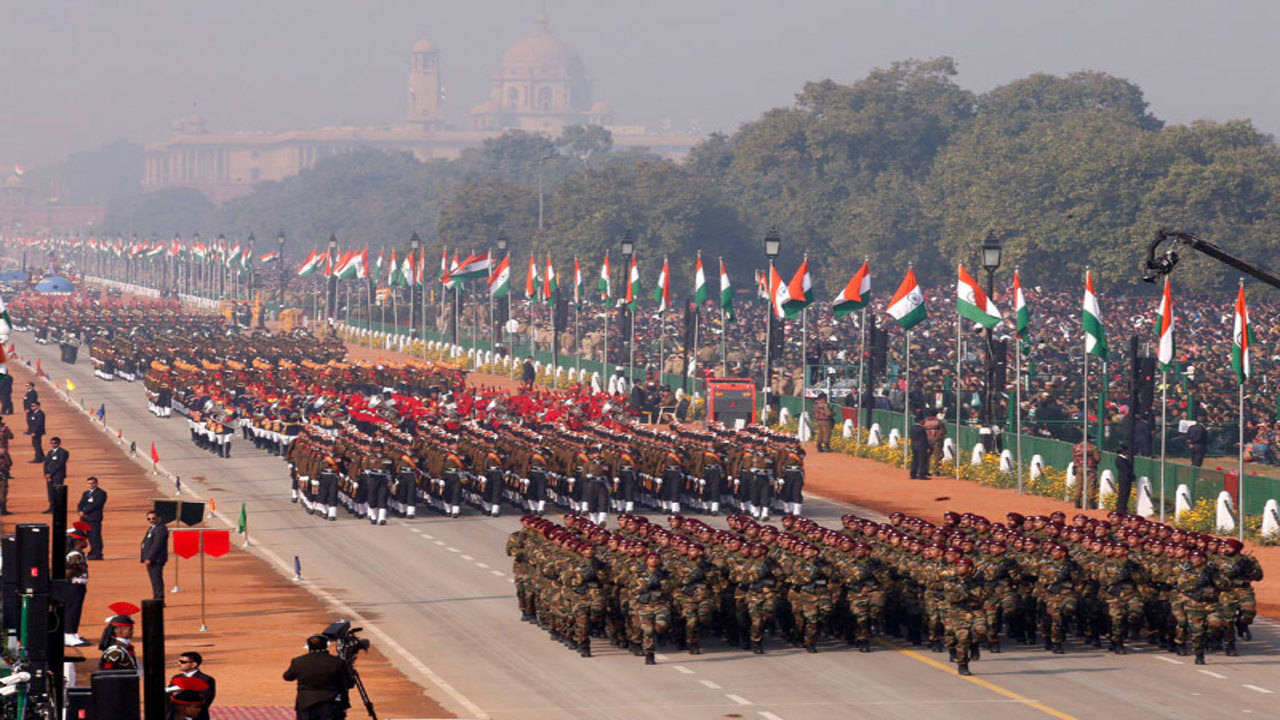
809,610
964,629
1178,613
933,621
1057,608
578,616
998,607
1243,599
1124,610
760,605
1202,617
697,609
867,609
652,620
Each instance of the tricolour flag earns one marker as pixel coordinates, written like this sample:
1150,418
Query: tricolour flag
633,284
531,280
409,269
907,304
799,290
500,279
1095,334
779,293
269,258
395,273
1164,329
604,285
579,292
699,282
726,292
662,291
855,295
474,267
1022,314
1241,340
550,283
349,265
308,266
974,304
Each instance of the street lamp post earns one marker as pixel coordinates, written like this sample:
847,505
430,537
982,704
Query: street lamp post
772,247
280,265
415,243
628,249
990,262
331,305
502,311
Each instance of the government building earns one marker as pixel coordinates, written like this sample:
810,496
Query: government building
540,85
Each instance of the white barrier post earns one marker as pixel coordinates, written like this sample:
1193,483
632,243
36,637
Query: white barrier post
1146,503
873,435
1106,487
1181,500
975,458
1226,520
846,428
948,450
1006,461
895,438
1270,519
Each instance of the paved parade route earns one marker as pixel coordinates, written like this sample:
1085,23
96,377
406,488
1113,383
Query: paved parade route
436,596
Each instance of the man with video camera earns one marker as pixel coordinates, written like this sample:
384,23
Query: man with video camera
323,682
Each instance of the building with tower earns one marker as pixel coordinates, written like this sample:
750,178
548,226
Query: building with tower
540,85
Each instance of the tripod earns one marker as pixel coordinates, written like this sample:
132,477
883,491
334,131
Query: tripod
364,694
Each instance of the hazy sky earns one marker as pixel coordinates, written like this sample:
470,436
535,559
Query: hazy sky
77,73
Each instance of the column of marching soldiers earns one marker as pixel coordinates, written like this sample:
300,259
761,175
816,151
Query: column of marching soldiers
959,587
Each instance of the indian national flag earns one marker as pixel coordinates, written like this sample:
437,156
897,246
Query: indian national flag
6,325
974,304
531,280
800,290
500,280
1241,340
1164,329
907,304
550,283
475,266
662,291
269,258
311,264
579,291
855,295
633,284
779,293
155,250
233,255
1095,335
726,292
699,282
603,284
1022,314
409,269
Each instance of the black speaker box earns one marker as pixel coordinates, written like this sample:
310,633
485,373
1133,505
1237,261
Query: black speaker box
9,582
33,558
115,695
80,704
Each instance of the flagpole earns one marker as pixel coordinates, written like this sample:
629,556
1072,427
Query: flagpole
1084,454
1017,401
959,354
906,402
1164,431
724,329
1240,457
861,387
804,355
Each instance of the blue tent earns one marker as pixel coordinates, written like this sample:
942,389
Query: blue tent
13,276
55,284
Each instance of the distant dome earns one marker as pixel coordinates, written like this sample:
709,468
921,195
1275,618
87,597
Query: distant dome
424,46
542,54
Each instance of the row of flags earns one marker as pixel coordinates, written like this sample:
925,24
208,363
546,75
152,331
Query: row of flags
230,254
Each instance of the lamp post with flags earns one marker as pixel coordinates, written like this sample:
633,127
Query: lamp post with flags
772,248
633,290
990,262
281,265
1164,358
1241,340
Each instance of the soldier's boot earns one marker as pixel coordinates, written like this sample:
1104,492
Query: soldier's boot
681,644
963,669
584,648
382,516
1229,644
1048,643
1200,656
1057,649
810,647
636,649
952,655
648,658
757,647
694,648
1181,649
746,643
865,645
1120,647
293,495
1242,627
333,513
975,651
994,645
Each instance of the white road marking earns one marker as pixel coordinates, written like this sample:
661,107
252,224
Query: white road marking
429,537
709,685
496,572
482,565
1213,674
768,715
682,669
661,658
1255,688
738,699
467,557
1168,660
440,542
453,549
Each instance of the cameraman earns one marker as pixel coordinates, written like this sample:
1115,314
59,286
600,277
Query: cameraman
323,682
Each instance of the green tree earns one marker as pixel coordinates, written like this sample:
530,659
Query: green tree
482,210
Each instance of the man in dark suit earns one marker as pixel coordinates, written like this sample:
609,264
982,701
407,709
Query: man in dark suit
920,457
155,553
55,468
31,397
92,502
323,682
35,428
189,666
1198,442
6,392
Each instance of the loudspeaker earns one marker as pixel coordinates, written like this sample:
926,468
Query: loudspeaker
561,312
33,558
38,626
879,351
9,582
999,364
80,704
777,336
1146,383
115,695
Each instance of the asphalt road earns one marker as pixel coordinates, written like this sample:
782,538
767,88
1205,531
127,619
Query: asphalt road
435,594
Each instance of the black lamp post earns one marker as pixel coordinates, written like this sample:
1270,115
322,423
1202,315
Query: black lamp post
280,265
628,250
171,262
331,303
772,248
222,267
415,243
193,269
990,262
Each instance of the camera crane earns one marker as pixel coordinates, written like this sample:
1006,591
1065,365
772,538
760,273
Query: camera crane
1162,263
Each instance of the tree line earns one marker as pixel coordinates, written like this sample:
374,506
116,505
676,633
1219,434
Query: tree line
902,166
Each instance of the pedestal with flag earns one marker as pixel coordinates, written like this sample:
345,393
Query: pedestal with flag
907,307
1095,343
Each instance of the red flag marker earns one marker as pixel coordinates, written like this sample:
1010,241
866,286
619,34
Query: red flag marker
155,456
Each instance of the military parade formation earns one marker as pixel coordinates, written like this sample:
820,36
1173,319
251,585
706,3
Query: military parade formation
391,438
961,587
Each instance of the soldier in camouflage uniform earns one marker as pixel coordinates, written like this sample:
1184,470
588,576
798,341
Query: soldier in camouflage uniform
1198,584
964,617
651,609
